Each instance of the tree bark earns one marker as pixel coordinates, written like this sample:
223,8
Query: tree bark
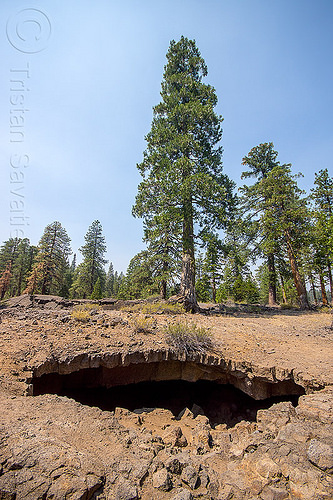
271,280
163,288
163,283
323,291
45,286
330,279
284,294
298,280
187,281
214,288
313,289
187,289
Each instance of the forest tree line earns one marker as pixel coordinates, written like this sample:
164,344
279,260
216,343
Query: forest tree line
224,265
204,237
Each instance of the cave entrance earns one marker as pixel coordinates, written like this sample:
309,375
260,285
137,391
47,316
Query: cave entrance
108,388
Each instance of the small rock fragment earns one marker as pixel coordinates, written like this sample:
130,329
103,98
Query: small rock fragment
175,437
126,491
320,454
162,480
173,465
182,494
185,413
273,493
190,477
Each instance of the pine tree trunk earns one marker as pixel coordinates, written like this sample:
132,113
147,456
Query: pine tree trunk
163,288
44,286
330,279
92,275
47,277
271,280
19,282
284,294
299,283
163,284
187,289
323,291
187,281
313,289
214,288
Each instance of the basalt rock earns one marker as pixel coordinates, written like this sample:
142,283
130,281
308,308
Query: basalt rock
53,447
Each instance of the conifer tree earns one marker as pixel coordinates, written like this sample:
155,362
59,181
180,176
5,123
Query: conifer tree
92,267
163,251
213,263
139,280
109,283
5,281
118,283
322,196
286,215
8,253
97,291
182,173
51,261
17,254
281,214
35,279
260,161
22,266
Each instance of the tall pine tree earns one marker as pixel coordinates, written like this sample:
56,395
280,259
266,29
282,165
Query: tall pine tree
16,259
51,262
182,171
260,162
322,196
92,267
286,215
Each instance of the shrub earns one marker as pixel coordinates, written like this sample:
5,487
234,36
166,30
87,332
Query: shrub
188,338
82,312
286,306
143,324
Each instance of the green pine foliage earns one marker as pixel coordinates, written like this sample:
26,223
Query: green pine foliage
97,291
260,161
139,282
92,268
51,262
322,231
183,185
287,216
16,257
280,211
110,282
203,241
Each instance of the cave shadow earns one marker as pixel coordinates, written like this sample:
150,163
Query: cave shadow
220,403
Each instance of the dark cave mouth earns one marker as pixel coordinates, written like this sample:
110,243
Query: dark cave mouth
108,388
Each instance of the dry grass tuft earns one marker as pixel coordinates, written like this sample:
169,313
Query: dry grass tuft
155,308
143,324
82,312
188,338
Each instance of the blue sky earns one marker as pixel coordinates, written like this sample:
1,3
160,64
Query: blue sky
94,74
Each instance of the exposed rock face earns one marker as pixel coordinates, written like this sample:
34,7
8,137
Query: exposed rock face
52,447
109,370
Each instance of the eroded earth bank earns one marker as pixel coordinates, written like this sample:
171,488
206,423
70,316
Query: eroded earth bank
96,410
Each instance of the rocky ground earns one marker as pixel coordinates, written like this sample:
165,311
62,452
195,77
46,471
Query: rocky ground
53,447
